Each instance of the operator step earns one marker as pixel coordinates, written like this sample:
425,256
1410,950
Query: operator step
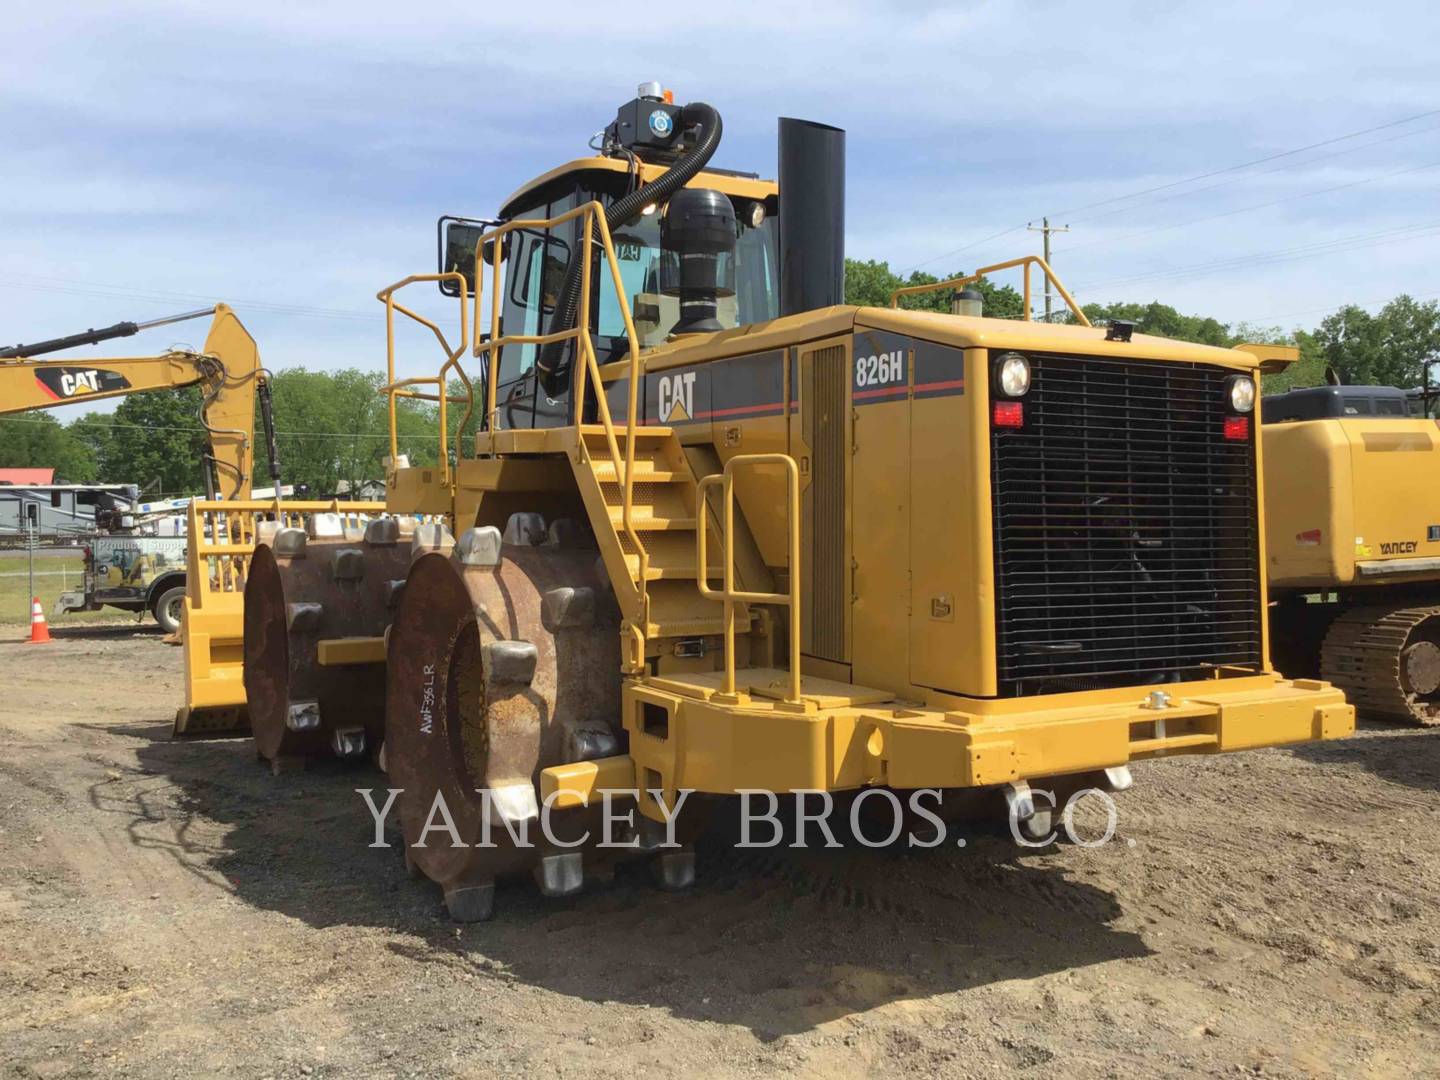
644,519
645,472
651,432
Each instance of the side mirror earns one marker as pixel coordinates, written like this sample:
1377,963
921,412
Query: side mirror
456,239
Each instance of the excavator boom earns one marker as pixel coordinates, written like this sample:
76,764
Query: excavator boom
227,370
228,373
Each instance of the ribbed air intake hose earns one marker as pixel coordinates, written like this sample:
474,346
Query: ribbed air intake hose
697,113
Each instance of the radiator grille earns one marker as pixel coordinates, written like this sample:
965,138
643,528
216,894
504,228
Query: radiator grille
824,403
1125,529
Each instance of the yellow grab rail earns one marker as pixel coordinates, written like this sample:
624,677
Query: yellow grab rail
220,536
402,388
1026,261
728,594
588,366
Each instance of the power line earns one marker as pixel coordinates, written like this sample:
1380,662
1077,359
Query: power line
1282,255
1257,206
39,283
164,427
1244,165
1072,211
1324,247
1266,172
964,247
1336,307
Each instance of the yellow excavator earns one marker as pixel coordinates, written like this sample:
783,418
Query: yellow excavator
722,531
1353,516
228,372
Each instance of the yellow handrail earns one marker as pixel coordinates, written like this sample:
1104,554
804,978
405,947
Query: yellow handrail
728,595
588,366
1026,261
401,388
232,527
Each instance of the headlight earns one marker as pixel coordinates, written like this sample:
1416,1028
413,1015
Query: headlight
1242,393
1012,375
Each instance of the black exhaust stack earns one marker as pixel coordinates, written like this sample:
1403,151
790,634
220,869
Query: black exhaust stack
812,216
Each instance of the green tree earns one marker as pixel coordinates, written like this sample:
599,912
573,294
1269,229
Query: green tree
157,442
37,440
1387,349
871,284
1309,370
334,426
1162,320
93,431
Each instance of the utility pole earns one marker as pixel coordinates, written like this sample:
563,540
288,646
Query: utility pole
1045,229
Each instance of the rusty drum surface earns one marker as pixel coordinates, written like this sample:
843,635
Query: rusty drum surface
299,592
504,659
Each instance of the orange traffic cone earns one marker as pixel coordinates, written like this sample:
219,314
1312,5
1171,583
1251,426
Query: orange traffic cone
39,628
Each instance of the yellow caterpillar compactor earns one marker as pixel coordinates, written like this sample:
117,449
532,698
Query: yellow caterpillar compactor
1353,517
722,531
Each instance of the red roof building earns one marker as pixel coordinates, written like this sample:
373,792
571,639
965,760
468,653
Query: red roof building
27,476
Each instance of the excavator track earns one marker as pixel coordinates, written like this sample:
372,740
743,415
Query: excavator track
1387,660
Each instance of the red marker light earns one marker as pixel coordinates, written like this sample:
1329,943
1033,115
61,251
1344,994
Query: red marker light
1009,414
1237,428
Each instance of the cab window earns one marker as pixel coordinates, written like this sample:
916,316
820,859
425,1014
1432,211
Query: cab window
536,260
1390,407
637,253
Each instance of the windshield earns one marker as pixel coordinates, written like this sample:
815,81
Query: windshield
537,263
637,251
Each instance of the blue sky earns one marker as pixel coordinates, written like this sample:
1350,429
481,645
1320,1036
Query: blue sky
292,158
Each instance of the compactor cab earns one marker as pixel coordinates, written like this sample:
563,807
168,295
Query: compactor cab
541,258
722,531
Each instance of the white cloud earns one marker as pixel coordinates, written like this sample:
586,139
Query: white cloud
298,154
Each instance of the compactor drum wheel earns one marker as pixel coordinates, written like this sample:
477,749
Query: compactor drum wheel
504,660
300,593
1387,660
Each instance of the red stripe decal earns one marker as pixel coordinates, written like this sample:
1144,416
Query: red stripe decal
739,411
774,406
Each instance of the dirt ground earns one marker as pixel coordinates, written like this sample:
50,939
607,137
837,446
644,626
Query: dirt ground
171,909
